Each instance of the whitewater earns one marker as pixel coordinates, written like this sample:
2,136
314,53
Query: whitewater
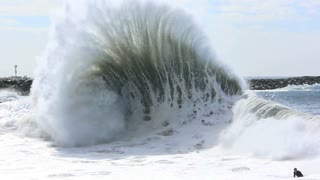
134,91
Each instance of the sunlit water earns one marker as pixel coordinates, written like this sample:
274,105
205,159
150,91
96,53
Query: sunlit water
303,98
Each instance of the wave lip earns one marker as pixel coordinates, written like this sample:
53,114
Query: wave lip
114,67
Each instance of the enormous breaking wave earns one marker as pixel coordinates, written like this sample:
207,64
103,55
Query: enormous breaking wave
140,69
143,69
126,69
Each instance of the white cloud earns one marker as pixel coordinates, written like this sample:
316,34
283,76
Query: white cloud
264,12
251,49
27,7
312,6
245,34
11,9
254,10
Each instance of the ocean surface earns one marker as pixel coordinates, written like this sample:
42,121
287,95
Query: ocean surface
135,91
26,155
303,98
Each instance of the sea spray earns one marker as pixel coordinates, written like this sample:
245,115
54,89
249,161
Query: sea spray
119,68
268,130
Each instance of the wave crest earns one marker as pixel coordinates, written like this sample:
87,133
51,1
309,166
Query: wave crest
105,72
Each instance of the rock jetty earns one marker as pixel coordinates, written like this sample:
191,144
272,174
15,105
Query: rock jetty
23,84
275,83
19,84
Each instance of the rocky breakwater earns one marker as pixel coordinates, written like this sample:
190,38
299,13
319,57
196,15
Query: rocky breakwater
23,84
19,84
275,83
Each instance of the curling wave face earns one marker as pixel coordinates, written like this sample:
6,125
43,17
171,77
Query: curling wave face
266,129
125,68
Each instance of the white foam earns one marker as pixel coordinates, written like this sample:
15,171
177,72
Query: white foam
285,135
101,76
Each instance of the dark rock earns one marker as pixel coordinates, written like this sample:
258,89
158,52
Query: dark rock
269,83
19,84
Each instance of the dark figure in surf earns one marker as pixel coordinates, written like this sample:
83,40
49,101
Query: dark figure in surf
297,173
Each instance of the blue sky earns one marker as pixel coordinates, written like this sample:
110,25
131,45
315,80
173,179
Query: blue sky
253,37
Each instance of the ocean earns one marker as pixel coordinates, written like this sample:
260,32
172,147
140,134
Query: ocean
303,98
135,92
190,154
